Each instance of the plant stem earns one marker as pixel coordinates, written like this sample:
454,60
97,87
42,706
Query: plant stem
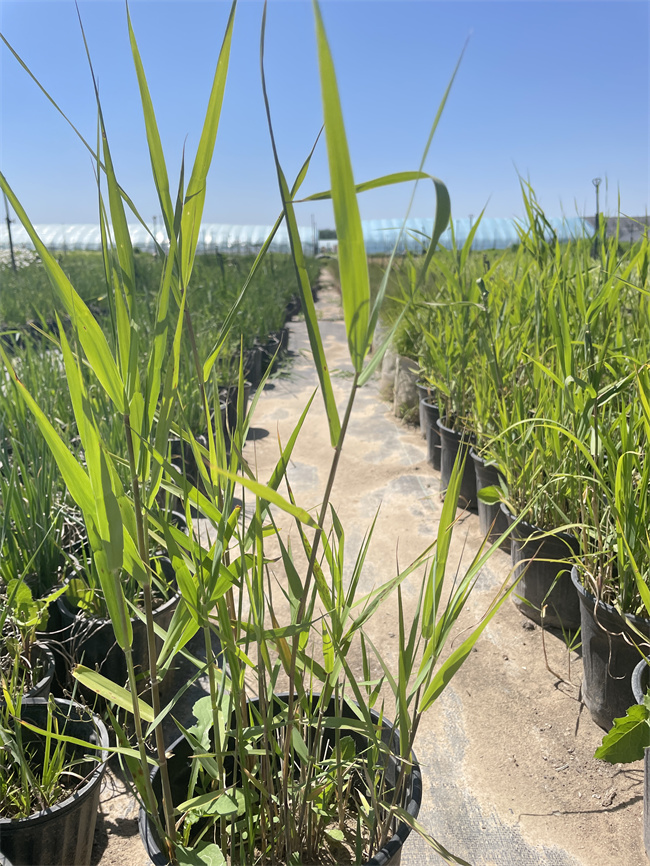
151,644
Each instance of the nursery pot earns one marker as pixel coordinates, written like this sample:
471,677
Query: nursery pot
424,393
543,567
42,664
42,656
608,658
253,365
179,771
405,392
63,834
92,639
229,397
453,444
183,460
492,520
387,381
432,433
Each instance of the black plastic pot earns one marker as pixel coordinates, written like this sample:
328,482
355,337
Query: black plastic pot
425,392
609,656
43,657
42,664
183,459
179,769
492,520
63,834
431,415
543,567
253,365
452,445
92,640
229,397
56,638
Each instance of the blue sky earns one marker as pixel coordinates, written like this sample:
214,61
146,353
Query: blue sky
555,90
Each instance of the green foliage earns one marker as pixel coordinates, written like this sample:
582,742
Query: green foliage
308,763
629,737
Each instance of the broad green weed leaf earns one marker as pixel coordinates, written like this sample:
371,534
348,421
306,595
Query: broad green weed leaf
628,738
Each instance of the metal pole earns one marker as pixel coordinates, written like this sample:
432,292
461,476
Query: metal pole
596,182
11,245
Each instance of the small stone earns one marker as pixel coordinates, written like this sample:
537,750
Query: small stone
528,625
608,797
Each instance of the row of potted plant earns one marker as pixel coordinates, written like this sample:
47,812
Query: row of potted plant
537,359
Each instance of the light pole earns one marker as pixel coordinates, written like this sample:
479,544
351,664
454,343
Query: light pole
11,245
596,182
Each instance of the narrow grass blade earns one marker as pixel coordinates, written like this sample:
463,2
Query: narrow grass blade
156,154
90,334
353,264
111,691
195,193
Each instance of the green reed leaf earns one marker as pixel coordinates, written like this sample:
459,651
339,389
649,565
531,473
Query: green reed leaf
195,193
353,264
111,691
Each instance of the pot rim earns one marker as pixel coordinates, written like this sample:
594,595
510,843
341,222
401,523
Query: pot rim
466,436
637,681
582,590
546,533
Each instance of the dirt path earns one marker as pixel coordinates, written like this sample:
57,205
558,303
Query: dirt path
507,753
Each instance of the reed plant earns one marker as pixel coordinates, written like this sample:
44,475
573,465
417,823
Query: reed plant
307,763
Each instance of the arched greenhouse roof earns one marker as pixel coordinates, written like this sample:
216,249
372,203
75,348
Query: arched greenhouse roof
213,237
379,235
492,233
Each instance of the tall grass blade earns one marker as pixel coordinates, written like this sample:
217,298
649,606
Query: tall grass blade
195,193
353,264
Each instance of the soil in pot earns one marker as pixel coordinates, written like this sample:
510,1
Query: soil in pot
453,444
492,520
179,769
609,656
431,415
61,835
92,640
543,568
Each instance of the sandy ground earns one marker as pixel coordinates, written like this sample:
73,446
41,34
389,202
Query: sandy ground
507,752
